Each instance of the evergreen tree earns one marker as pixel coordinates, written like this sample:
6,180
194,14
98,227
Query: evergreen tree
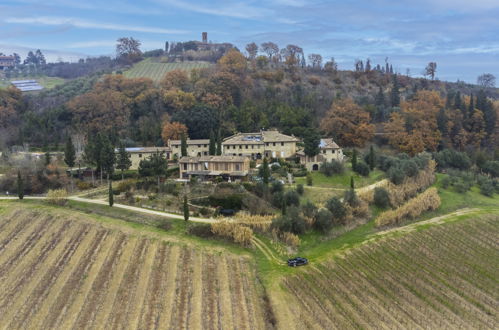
379,101
111,196
47,158
213,144
395,94
70,158
391,69
155,165
123,162
186,209
92,153
219,143
489,114
265,171
183,145
354,159
107,157
311,142
442,122
20,185
372,158
471,107
352,183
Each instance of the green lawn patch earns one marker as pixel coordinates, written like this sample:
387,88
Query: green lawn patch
342,181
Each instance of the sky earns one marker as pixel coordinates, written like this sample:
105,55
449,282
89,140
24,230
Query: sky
462,36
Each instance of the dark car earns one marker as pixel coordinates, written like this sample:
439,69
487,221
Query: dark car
298,261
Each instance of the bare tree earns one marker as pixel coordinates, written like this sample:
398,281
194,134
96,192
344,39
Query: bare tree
128,48
331,66
431,70
252,50
486,80
270,48
315,60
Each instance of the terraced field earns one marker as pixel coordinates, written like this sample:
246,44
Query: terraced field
442,277
62,272
156,70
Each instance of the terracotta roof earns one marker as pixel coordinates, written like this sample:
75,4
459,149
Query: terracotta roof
189,141
259,138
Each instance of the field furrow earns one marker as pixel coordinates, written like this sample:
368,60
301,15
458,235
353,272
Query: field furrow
169,289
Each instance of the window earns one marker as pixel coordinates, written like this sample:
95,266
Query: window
324,151
247,147
205,153
282,144
199,146
205,145
333,151
267,144
238,167
140,155
274,144
176,146
185,167
252,146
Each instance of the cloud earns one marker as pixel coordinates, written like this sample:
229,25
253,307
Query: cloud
235,10
80,23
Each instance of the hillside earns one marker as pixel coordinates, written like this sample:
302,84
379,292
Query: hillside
154,69
443,277
45,81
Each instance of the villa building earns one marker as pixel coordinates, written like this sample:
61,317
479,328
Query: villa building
329,151
270,144
195,148
207,167
140,153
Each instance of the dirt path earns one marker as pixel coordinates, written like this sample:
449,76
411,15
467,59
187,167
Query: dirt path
123,206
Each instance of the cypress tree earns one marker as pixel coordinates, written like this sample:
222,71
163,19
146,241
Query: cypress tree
219,143
372,158
352,183
107,157
213,146
183,145
186,209
111,196
69,158
395,94
123,162
265,173
354,159
471,107
20,185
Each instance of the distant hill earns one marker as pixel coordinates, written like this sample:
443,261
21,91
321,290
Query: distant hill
154,69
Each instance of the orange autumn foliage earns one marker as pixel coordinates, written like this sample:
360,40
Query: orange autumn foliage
173,130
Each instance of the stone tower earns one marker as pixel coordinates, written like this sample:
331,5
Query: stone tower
205,37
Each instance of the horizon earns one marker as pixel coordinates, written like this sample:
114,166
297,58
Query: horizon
459,36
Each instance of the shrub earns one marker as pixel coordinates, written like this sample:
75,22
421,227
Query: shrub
461,186
278,199
309,209
362,168
492,168
292,222
351,198
452,158
200,230
330,168
290,239
57,196
83,185
299,189
410,168
337,209
235,232
396,175
291,197
309,179
446,182
323,220
381,197
164,224
277,186
256,222
428,200
487,188
231,201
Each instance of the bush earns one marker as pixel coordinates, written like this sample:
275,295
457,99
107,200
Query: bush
299,189
487,189
446,182
410,168
492,168
381,197
232,201
396,175
428,200
292,222
200,230
278,199
165,225
337,209
291,197
323,220
362,168
83,185
57,197
330,168
453,159
309,179
309,209
277,186
351,198
461,186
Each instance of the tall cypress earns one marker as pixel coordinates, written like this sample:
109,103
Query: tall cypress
111,196
186,208
69,158
372,158
354,159
20,185
183,145
471,107
352,183
219,143
213,146
395,94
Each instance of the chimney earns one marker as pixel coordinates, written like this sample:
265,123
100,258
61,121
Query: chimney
205,37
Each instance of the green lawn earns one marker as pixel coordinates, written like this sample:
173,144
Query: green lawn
342,181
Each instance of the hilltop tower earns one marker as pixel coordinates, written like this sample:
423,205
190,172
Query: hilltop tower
205,37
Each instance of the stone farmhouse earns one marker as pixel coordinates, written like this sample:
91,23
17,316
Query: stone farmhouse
140,153
329,151
208,167
195,148
270,144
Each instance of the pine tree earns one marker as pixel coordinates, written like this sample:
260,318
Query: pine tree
471,107
70,158
395,94
354,159
20,185
213,144
186,209
372,158
183,145
111,196
219,143
123,162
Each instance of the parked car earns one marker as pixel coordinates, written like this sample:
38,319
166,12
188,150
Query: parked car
298,261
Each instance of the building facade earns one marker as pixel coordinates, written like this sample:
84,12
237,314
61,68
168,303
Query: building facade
7,62
328,151
270,144
140,153
207,167
195,148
